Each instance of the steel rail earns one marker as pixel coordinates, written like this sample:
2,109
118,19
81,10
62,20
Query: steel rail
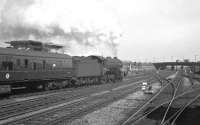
178,113
71,112
137,80
139,118
30,105
174,94
145,104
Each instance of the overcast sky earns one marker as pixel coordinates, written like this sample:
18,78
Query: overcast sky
138,30
158,29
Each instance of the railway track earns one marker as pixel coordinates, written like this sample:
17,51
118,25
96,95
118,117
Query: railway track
24,111
72,106
176,114
76,111
15,109
191,94
137,114
36,93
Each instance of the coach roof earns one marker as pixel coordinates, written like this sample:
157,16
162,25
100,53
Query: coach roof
17,52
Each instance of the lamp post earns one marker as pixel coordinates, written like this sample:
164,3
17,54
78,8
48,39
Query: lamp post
195,58
195,64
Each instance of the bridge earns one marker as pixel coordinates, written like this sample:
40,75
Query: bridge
163,65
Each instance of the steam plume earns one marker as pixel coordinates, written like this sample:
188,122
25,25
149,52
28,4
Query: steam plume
83,27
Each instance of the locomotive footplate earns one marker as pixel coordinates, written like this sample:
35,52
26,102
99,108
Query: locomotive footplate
5,89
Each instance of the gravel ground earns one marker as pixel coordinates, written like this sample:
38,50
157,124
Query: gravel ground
115,112
177,103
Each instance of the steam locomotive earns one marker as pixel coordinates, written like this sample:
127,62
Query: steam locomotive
30,64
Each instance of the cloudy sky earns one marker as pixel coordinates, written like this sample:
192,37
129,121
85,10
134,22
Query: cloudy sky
137,30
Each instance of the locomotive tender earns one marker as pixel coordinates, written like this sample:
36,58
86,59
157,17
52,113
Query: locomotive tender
96,69
30,64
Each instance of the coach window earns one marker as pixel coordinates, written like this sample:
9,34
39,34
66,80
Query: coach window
26,63
34,66
18,62
7,66
44,64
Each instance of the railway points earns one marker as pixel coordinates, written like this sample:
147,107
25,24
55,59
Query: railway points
172,108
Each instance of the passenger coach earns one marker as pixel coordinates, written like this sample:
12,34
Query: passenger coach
29,64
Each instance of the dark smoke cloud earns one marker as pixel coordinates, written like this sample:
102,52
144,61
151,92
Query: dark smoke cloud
9,32
13,26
